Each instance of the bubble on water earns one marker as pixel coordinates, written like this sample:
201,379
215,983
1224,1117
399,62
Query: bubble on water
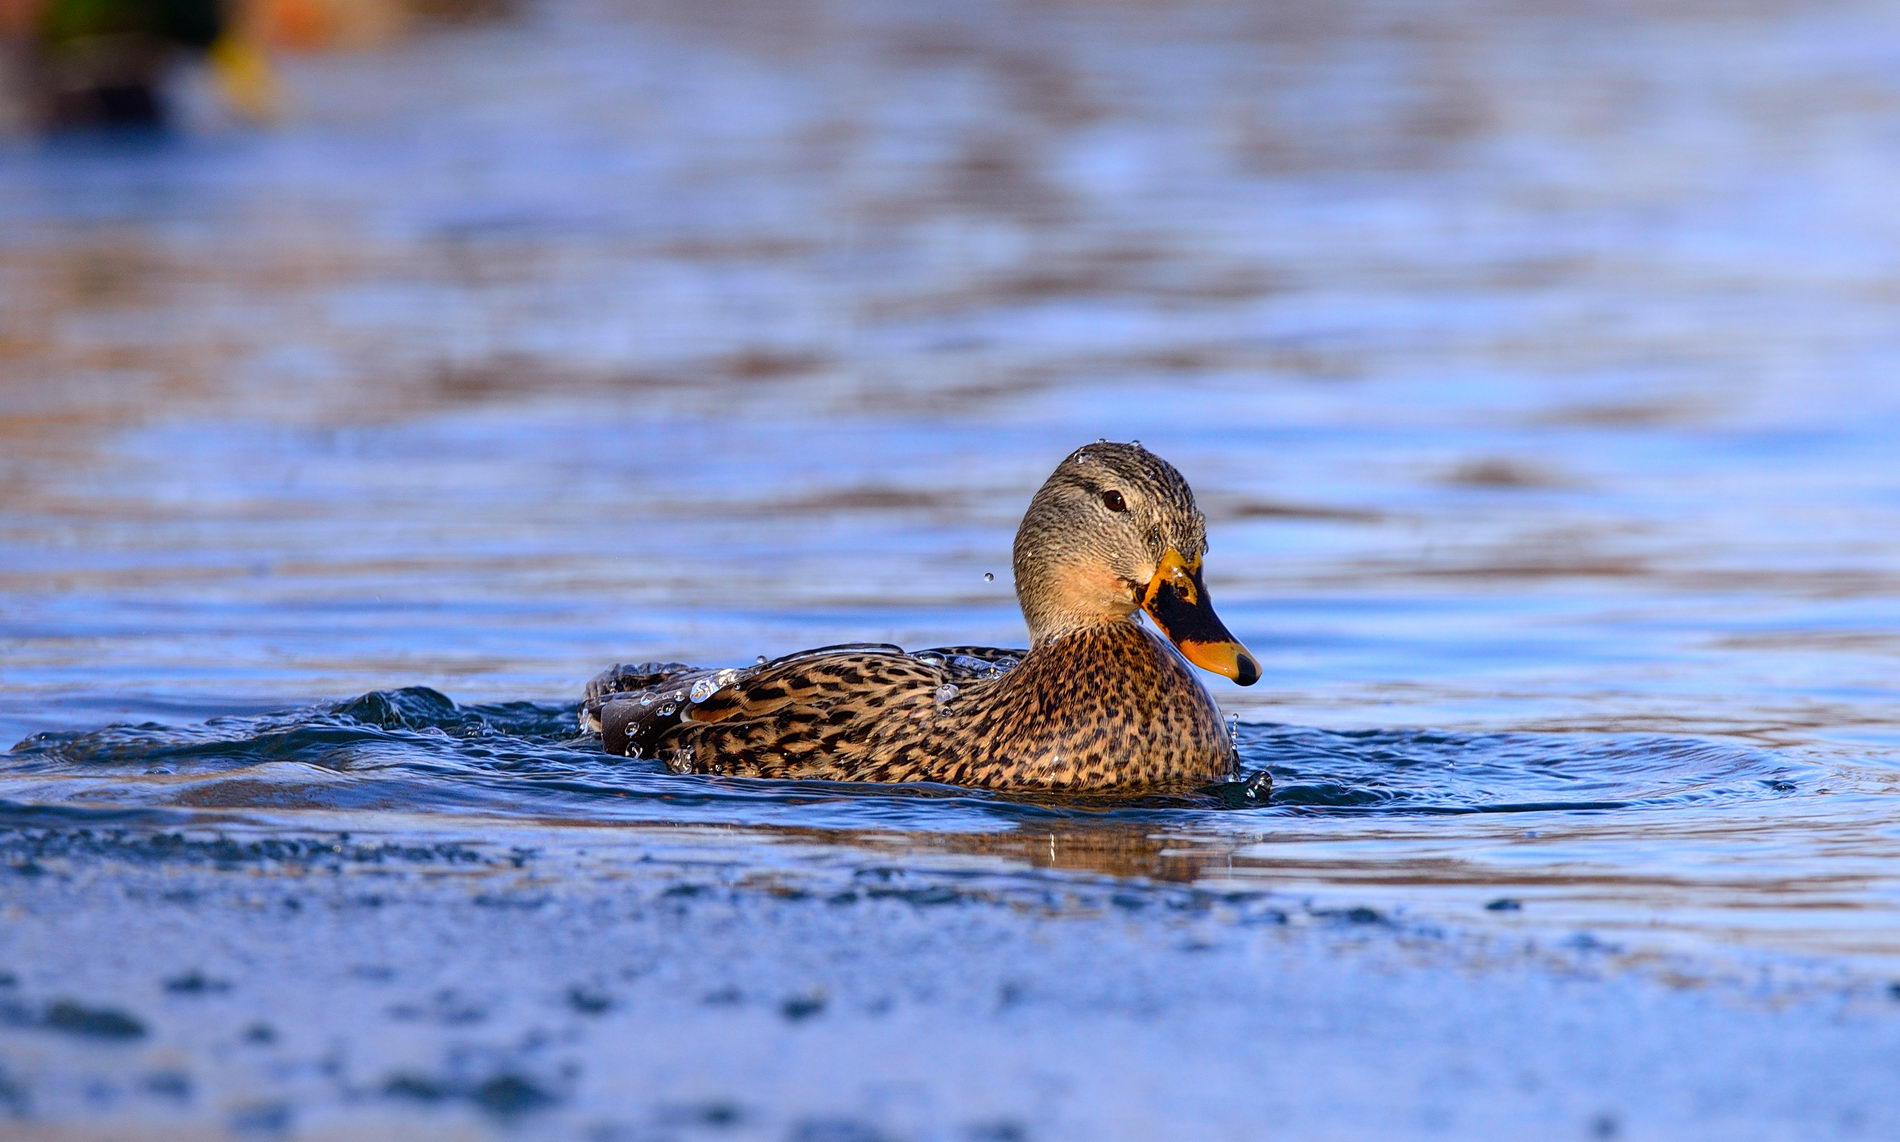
989,576
945,692
667,709
646,699
703,689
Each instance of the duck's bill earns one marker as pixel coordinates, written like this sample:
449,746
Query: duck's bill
1177,599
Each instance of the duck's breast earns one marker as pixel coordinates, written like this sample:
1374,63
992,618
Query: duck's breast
1109,708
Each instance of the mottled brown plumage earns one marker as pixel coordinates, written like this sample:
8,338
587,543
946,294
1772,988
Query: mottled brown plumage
1097,703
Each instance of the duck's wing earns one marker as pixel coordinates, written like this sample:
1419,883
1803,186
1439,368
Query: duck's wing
864,672
816,713
837,715
822,678
633,705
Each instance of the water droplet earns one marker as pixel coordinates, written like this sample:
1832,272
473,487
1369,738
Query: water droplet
1137,444
1007,662
667,709
1101,440
761,660
989,576
930,659
703,689
646,699
946,692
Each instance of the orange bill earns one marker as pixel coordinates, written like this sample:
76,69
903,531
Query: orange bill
1177,600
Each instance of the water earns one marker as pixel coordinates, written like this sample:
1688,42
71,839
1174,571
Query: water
1660,839
1534,368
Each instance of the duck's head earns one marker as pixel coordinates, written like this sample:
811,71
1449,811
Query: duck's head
1114,529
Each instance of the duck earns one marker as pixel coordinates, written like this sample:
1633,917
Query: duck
1097,703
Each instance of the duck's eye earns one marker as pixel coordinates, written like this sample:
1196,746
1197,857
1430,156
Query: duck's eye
1114,501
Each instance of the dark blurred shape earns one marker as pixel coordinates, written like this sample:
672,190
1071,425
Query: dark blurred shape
108,65
103,64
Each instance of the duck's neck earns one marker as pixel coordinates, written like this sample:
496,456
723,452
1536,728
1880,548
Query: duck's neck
1060,599
1056,628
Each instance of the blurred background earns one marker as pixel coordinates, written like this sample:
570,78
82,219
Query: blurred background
1534,362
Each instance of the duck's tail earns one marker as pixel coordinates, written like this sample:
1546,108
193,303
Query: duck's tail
630,704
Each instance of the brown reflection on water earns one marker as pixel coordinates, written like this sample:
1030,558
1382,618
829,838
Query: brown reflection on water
1719,884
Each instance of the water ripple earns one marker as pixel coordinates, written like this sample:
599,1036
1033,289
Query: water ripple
417,750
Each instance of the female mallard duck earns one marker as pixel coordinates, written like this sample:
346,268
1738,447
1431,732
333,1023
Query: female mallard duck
1097,703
